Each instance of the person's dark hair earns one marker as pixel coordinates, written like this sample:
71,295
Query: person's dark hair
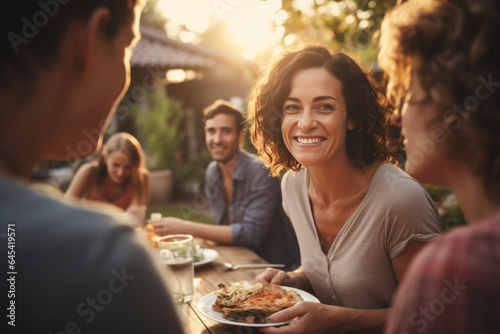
32,30
370,142
224,107
454,48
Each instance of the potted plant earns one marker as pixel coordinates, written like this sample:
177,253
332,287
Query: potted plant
158,129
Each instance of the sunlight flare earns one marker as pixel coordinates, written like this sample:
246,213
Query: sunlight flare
254,24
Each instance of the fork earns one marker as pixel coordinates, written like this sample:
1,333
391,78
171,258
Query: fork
229,267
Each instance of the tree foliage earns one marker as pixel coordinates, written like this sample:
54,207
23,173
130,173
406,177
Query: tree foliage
159,128
152,17
350,26
347,25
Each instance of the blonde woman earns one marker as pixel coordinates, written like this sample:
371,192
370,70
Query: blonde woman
117,177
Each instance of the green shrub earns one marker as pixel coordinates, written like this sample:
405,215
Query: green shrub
452,217
437,193
194,169
159,129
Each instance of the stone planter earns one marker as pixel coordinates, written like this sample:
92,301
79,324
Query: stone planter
161,184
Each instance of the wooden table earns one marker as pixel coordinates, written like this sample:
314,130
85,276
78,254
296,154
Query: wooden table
207,277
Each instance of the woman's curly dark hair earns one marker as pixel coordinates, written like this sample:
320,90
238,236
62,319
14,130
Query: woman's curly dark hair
454,48
370,142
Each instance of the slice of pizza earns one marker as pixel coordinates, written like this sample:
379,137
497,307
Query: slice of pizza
232,295
266,300
273,300
249,315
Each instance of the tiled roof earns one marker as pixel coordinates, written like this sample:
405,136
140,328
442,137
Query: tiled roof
156,49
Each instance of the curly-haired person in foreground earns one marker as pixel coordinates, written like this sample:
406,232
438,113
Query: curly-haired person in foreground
358,218
442,61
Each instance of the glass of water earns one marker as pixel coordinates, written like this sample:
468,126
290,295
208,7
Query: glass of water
176,253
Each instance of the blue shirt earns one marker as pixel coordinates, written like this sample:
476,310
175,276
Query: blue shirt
78,270
259,222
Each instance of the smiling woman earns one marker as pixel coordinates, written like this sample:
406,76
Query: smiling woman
349,90
117,177
358,218
315,101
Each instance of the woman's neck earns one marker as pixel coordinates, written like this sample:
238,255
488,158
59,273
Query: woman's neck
330,184
473,199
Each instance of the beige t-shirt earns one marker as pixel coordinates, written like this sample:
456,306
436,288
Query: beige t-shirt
357,270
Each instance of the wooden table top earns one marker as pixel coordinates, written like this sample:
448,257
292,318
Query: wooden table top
207,277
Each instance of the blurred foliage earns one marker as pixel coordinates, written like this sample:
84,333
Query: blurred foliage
351,26
194,170
247,144
152,17
348,25
158,128
437,193
451,215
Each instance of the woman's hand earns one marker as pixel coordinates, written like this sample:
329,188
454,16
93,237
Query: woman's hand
309,318
271,275
316,318
169,225
295,279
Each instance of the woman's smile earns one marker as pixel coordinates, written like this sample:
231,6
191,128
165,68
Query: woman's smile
309,140
315,121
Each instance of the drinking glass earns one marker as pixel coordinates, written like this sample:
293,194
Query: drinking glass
176,253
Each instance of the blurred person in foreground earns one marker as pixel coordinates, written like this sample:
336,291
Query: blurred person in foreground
442,62
245,201
74,270
358,218
116,177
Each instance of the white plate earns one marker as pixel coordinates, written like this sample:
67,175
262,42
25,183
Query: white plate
209,255
205,307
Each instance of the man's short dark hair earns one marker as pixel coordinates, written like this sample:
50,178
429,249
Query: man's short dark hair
32,30
224,107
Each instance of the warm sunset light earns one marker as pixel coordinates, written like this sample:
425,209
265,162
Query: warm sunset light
252,23
253,34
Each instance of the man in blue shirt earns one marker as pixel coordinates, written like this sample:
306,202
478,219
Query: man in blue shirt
245,201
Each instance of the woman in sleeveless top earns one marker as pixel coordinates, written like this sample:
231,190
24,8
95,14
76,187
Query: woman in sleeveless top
117,177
